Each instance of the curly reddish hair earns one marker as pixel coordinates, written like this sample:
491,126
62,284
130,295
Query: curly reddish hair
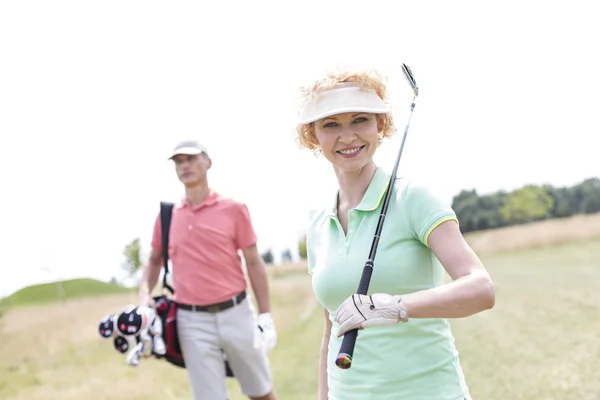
365,78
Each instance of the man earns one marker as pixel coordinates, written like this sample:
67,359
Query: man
214,316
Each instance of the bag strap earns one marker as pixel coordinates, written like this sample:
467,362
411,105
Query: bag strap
166,211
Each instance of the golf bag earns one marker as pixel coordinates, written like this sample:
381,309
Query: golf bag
165,307
167,311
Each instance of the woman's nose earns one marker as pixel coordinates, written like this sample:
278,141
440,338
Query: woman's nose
347,135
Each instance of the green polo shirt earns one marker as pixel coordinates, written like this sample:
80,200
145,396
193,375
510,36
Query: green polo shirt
416,360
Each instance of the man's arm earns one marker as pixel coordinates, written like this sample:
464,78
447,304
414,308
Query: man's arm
257,274
150,274
245,239
151,269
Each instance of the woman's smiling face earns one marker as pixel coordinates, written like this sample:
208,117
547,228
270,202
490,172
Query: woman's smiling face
349,140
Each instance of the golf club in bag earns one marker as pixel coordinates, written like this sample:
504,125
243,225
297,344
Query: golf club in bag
344,357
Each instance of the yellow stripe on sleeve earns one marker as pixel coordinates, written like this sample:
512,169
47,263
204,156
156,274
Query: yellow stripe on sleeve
436,225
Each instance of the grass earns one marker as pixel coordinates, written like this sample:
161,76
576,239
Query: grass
547,233
540,342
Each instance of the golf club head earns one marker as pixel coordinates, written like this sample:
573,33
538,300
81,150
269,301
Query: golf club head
106,326
410,78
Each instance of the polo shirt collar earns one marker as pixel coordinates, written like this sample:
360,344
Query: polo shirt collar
373,196
213,197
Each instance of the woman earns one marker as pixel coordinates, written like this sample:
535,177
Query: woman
404,349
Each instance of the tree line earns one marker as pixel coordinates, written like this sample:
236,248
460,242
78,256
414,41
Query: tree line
526,204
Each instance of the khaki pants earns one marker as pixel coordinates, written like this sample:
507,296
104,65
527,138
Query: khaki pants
202,335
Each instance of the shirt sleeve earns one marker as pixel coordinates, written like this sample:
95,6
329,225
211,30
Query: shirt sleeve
157,235
426,211
244,231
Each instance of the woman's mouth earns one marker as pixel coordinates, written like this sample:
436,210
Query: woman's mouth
350,152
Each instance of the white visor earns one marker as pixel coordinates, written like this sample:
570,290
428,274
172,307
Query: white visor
344,97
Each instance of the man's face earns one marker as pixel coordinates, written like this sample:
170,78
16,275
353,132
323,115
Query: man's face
191,169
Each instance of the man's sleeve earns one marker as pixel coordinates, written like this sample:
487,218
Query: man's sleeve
157,235
244,231
426,211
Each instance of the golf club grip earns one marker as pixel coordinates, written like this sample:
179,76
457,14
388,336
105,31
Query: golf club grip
344,358
365,279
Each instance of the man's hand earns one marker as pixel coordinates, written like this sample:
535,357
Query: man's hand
150,273
359,311
147,300
268,332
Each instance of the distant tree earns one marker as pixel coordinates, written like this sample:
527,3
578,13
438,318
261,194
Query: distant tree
114,281
527,204
590,205
476,212
267,256
465,205
590,196
286,256
133,257
302,248
562,202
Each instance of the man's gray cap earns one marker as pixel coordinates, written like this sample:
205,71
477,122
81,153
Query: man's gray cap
189,147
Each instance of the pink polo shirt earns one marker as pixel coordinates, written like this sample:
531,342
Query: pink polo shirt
203,248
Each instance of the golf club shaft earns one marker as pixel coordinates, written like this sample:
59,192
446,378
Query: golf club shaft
344,358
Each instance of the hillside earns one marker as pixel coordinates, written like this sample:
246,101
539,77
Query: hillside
55,291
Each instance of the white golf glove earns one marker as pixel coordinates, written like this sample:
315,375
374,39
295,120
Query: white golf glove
268,332
359,311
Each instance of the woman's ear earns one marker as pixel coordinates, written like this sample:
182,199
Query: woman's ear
310,135
381,118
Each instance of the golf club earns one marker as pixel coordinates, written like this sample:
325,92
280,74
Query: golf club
344,357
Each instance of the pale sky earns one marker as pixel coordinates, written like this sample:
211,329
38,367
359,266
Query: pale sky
94,95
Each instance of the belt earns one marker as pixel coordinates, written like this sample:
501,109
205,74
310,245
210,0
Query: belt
213,308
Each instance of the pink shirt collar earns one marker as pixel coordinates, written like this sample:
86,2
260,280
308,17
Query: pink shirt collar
213,198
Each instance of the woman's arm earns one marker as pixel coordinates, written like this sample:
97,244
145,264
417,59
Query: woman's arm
471,290
323,388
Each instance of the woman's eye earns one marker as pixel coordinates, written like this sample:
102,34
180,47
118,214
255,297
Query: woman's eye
360,119
329,125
